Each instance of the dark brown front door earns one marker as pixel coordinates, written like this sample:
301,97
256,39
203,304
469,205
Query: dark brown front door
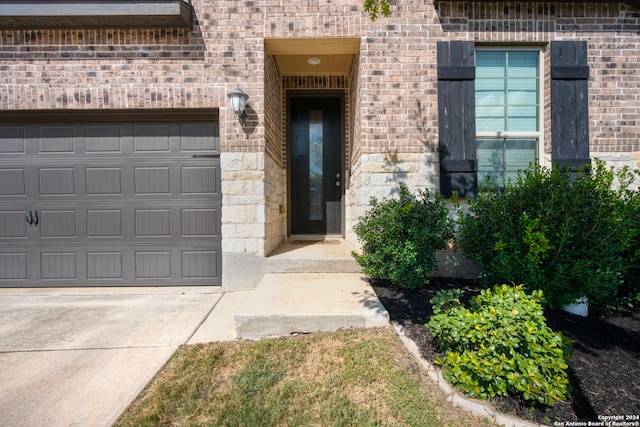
315,156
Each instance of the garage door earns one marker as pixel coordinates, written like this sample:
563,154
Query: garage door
110,201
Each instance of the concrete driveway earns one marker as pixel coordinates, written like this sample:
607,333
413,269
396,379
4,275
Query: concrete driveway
78,357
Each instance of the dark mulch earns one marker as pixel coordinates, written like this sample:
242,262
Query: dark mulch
604,369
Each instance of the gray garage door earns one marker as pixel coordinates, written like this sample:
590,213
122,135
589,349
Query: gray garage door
105,201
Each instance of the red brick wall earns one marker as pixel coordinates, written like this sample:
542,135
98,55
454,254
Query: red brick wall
273,111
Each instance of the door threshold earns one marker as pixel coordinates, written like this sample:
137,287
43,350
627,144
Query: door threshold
315,237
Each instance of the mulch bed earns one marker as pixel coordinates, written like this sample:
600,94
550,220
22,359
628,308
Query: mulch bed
604,370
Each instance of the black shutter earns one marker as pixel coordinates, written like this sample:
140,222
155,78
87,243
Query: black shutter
569,104
456,118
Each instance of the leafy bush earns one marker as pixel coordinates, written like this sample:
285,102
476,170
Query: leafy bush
569,235
400,237
629,292
501,346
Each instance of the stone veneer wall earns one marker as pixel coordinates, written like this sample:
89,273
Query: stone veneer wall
243,202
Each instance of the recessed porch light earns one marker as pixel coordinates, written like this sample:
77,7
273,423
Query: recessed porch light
313,61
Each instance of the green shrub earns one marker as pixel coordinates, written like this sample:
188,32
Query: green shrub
400,237
565,234
501,346
629,292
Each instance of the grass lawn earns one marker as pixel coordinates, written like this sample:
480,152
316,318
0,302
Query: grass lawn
346,378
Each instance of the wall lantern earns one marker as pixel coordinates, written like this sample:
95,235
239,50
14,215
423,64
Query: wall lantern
238,103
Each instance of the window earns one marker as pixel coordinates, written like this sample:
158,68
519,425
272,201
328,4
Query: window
489,112
507,105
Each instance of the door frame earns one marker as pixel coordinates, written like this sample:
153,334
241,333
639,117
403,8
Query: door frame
311,94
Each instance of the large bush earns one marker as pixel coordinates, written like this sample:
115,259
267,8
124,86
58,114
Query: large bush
400,237
629,292
501,346
567,234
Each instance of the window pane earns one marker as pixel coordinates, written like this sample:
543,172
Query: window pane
501,159
523,91
490,64
490,92
523,64
490,155
519,153
490,118
522,118
315,165
507,91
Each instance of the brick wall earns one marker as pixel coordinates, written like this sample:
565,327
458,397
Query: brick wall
275,160
104,69
177,68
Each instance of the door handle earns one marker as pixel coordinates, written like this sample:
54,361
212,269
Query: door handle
207,156
32,217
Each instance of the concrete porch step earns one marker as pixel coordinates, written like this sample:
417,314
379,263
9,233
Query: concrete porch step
309,256
287,303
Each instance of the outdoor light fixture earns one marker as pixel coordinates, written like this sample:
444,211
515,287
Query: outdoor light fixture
238,103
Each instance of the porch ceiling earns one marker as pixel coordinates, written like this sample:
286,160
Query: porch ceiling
292,55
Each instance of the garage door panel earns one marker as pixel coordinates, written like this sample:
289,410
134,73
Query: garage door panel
199,179
198,137
13,266
152,180
200,264
12,140
103,139
58,265
153,265
200,223
13,224
104,265
103,180
151,138
57,139
119,204
153,223
12,182
57,181
104,223
57,223
111,265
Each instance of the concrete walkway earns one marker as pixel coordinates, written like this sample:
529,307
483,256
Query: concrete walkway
79,357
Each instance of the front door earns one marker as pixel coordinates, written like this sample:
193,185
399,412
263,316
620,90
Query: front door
315,159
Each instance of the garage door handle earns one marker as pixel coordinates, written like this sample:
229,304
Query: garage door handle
32,217
207,156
